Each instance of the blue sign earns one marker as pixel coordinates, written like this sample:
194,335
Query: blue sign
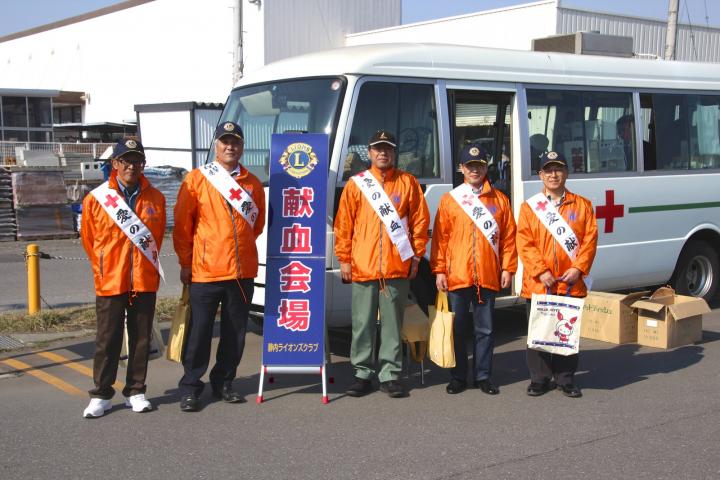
294,325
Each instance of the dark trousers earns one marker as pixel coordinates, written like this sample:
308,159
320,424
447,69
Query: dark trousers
111,313
204,301
483,340
545,366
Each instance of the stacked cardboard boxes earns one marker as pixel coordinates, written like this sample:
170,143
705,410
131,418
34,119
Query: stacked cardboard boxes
41,204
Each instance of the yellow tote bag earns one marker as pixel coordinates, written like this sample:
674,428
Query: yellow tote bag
179,327
441,349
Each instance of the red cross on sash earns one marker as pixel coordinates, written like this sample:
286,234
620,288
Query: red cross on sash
235,195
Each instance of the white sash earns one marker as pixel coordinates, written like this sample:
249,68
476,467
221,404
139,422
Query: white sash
231,191
380,202
130,224
478,213
551,219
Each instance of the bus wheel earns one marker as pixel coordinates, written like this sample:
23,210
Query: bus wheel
697,270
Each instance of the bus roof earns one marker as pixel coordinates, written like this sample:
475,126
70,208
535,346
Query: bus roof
489,64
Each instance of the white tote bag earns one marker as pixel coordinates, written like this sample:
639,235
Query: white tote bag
554,324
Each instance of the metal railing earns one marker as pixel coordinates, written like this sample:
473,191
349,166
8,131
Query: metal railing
8,154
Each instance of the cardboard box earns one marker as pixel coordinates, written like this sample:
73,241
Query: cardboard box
666,321
609,317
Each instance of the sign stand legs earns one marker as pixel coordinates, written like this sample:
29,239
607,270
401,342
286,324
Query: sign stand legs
271,369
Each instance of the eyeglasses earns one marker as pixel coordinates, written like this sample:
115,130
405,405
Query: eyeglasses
135,163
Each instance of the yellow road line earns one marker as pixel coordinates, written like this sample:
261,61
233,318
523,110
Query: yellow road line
45,377
66,362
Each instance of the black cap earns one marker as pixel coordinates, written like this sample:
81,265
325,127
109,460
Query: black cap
551,158
473,152
229,128
127,146
383,136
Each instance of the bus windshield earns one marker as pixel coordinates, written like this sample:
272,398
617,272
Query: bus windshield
307,106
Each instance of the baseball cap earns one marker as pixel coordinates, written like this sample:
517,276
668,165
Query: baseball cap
229,128
383,136
551,158
126,146
473,152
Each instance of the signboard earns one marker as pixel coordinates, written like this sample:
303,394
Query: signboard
294,325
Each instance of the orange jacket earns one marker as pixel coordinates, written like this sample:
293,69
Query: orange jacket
360,235
212,237
540,252
118,266
461,251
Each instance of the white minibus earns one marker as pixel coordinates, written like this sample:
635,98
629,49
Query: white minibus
642,138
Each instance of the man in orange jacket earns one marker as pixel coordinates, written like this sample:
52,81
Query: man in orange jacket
220,212
473,256
122,229
555,263
380,234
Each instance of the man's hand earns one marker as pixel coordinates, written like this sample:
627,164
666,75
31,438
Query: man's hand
505,279
571,276
346,272
414,267
547,279
185,275
441,282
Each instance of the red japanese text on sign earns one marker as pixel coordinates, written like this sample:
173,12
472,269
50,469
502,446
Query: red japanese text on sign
297,202
296,239
294,315
295,277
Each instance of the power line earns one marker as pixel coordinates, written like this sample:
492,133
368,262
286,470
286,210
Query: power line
692,33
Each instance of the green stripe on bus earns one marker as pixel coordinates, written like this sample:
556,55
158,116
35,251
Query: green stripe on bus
679,206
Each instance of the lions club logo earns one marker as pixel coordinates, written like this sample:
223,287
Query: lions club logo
132,144
228,127
552,155
474,151
298,159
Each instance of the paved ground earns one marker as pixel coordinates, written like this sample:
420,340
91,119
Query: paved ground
646,414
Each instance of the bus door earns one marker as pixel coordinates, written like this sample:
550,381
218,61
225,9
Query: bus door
479,116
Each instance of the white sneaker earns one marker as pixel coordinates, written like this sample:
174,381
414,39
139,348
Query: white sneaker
138,403
97,408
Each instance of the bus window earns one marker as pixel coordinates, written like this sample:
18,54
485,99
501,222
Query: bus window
681,132
594,130
484,118
294,105
406,109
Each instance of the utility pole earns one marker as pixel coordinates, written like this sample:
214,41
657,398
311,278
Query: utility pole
671,36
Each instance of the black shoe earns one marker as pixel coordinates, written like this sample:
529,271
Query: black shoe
360,388
537,389
486,386
455,386
570,390
393,388
227,394
189,403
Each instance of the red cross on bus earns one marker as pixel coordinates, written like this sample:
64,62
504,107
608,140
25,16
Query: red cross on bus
609,211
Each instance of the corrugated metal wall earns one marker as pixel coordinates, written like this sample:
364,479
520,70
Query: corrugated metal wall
294,27
694,44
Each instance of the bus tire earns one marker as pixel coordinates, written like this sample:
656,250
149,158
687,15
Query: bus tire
697,271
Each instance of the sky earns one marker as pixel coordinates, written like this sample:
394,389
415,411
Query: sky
17,15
